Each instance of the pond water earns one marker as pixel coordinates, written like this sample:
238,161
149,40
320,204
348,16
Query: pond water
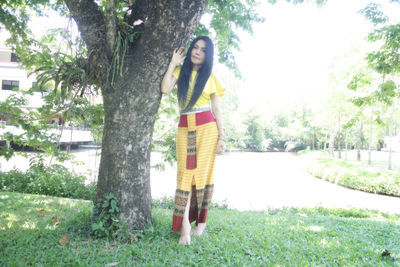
244,181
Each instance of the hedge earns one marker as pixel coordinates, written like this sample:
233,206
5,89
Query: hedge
350,175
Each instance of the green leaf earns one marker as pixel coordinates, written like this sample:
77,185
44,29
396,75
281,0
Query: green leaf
113,204
372,13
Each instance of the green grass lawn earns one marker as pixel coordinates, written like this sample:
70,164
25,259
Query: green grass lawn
32,225
376,164
379,159
350,174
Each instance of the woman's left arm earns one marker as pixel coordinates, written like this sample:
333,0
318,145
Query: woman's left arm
220,124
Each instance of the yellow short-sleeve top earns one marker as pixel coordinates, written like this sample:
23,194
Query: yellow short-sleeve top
213,86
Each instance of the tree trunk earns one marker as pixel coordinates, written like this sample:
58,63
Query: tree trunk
359,141
332,143
370,138
70,141
345,145
131,105
313,141
390,137
339,141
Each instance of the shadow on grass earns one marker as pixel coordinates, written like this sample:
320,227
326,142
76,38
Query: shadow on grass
31,227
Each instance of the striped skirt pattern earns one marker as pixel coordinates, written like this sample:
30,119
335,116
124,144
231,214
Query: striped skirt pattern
196,147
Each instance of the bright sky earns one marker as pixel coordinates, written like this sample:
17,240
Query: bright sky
290,53
288,57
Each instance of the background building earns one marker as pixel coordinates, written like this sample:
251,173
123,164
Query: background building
13,77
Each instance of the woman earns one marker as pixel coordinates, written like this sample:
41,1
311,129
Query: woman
200,133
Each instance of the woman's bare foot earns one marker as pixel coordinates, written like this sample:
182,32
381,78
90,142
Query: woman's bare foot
199,229
186,229
184,240
185,232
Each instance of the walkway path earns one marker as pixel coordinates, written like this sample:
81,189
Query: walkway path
258,181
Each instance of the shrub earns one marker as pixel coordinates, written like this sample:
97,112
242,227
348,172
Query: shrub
352,176
55,180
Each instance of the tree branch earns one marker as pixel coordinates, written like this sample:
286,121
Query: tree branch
111,24
172,23
90,21
92,28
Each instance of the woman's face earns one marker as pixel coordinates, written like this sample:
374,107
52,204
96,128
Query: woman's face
198,54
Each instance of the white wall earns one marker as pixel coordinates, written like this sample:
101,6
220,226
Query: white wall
11,70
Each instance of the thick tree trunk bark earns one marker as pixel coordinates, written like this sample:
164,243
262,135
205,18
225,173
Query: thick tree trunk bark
131,108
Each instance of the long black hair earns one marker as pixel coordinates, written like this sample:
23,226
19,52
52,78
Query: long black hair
202,74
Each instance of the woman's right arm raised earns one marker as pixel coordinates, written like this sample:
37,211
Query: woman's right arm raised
169,81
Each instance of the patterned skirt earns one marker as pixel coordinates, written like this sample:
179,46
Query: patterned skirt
196,148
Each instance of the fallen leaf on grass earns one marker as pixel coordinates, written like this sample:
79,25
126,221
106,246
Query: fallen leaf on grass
218,229
55,220
301,214
386,253
41,213
64,240
248,253
135,239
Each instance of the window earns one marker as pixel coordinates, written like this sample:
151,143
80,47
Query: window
14,58
35,87
9,85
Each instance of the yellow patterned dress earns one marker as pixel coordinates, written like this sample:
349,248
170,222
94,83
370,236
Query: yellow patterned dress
196,147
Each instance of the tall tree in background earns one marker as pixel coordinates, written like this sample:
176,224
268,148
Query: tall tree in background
360,82
385,60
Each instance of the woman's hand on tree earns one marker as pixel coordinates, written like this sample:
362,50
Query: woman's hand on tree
178,56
